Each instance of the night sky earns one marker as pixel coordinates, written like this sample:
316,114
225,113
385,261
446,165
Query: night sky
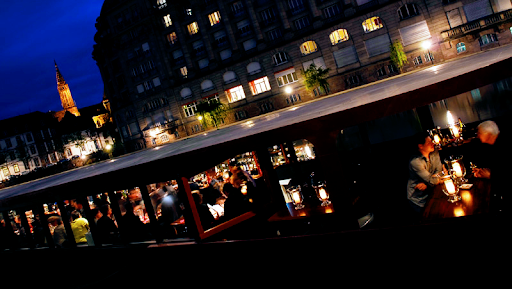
33,34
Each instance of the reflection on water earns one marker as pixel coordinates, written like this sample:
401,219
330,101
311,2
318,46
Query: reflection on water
487,102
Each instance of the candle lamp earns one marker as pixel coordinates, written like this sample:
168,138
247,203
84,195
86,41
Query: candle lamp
296,197
456,169
450,189
436,136
322,195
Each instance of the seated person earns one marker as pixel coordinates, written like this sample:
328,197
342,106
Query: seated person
237,202
106,227
424,170
205,216
498,169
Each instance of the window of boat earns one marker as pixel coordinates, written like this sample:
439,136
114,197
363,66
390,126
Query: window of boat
227,193
291,152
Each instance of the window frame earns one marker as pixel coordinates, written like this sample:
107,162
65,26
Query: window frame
235,93
370,24
308,47
193,28
260,85
167,20
282,61
460,47
406,8
214,18
336,38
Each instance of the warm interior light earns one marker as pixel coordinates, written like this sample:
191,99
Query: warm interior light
458,171
449,117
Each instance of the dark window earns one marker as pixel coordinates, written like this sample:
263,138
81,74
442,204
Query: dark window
407,11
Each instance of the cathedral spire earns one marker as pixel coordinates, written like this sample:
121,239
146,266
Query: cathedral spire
65,94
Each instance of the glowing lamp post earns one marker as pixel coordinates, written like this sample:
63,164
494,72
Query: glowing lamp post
426,46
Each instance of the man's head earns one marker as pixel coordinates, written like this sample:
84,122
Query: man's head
75,215
424,143
488,132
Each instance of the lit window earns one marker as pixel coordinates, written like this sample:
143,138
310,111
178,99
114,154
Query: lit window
286,77
338,36
16,168
259,85
184,71
172,38
372,24
190,109
214,18
280,58
308,47
235,94
461,47
167,20
193,28
188,12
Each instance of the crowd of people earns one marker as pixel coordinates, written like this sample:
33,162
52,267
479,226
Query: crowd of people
224,195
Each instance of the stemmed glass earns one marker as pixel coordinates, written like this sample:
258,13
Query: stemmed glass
295,194
457,169
451,189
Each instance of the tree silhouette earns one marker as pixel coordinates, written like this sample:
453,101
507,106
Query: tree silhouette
397,54
316,77
212,112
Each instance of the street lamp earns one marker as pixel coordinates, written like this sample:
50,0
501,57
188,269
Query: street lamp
288,90
426,46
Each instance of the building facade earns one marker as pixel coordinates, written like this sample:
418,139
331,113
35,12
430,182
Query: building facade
38,140
159,58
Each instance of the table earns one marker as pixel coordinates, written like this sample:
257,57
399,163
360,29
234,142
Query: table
310,210
473,201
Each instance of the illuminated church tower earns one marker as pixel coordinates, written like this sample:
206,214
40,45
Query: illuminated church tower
65,96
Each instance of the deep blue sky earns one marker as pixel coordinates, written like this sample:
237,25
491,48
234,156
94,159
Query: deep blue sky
33,33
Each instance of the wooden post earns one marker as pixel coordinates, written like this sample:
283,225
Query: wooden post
194,227
24,222
44,222
67,225
153,222
272,187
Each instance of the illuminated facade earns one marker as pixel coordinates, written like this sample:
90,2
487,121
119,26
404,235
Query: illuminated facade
68,104
159,58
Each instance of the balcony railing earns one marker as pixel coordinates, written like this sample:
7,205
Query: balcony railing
477,24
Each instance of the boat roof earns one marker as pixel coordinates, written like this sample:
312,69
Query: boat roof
186,157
